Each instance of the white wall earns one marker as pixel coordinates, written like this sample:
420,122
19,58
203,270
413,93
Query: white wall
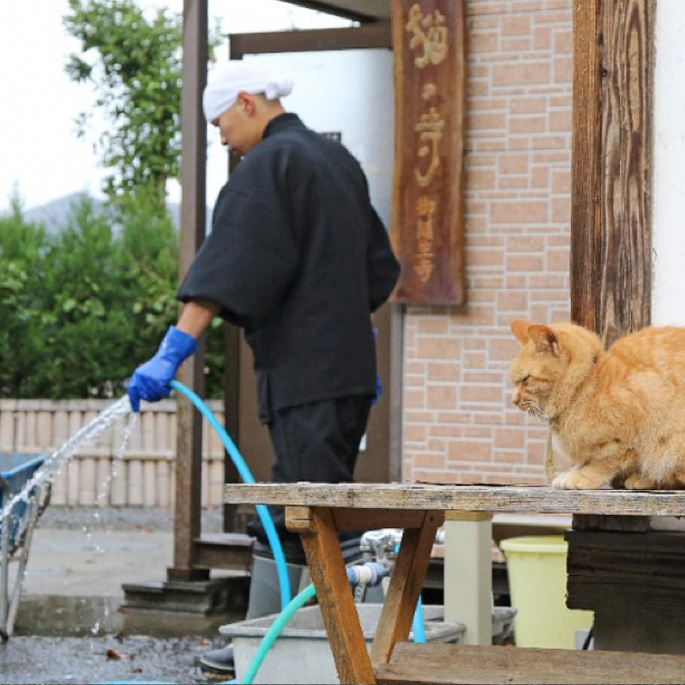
351,92
668,292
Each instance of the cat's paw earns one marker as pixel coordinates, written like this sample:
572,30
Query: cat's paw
639,482
560,481
576,480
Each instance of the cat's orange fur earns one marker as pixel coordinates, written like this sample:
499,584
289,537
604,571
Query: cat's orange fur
618,415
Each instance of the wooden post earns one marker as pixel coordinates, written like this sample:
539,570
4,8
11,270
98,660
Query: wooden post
611,220
611,167
193,210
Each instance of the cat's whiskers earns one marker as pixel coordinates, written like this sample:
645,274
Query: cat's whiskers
535,410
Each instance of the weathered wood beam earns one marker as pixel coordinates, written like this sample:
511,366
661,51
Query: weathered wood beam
367,36
611,168
503,499
192,233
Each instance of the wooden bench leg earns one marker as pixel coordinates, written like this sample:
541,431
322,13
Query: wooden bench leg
320,541
405,585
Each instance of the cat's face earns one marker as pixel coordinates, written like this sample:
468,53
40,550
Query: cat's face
537,368
552,361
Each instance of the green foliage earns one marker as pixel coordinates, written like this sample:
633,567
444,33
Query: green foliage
23,247
79,310
134,62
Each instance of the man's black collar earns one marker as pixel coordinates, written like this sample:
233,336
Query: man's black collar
282,122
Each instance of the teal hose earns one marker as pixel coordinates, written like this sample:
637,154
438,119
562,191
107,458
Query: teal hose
274,631
418,627
288,606
246,475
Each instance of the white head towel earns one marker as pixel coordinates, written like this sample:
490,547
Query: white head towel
226,80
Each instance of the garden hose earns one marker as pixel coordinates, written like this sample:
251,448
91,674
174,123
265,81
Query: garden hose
246,475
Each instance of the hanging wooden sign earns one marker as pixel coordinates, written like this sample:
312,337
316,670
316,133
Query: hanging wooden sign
427,226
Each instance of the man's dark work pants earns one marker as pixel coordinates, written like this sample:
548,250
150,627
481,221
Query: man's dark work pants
317,442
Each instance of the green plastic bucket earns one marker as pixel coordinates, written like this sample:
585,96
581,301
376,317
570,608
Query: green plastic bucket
536,567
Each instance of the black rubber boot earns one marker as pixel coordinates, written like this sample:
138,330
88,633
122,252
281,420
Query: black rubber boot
218,663
265,599
265,595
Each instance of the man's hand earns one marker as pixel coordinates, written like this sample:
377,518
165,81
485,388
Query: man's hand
151,380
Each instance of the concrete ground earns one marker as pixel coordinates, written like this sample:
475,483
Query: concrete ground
69,629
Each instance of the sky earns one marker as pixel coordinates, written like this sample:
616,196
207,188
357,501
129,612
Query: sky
40,154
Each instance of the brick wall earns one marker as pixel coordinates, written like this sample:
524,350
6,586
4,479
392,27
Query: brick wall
459,424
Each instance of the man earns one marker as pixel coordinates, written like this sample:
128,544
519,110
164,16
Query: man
298,257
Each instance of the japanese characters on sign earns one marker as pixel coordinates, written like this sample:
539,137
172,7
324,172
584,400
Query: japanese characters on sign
427,75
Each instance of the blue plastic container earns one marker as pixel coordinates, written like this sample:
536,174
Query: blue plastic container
16,470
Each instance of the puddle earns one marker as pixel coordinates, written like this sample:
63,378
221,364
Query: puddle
62,616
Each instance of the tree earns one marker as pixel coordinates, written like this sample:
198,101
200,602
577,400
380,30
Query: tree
23,247
81,308
134,62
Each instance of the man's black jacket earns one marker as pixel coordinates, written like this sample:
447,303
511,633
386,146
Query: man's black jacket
298,257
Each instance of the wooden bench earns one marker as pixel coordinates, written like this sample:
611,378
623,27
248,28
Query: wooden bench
318,512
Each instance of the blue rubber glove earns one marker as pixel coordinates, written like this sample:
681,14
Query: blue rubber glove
151,380
379,386
379,391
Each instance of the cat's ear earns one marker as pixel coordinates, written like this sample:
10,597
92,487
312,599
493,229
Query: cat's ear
544,339
520,330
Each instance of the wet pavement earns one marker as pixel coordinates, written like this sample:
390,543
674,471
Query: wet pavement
137,658
69,628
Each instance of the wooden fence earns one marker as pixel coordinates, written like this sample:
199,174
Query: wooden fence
99,474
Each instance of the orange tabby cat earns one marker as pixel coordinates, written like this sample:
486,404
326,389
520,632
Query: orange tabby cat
618,415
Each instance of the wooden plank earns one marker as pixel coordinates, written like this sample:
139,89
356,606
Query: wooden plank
405,586
135,484
336,601
298,519
465,664
163,487
628,524
625,567
31,428
60,428
44,438
229,551
504,499
150,496
7,437
370,36
103,482
354,519
87,485
59,489
119,496
427,226
73,482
